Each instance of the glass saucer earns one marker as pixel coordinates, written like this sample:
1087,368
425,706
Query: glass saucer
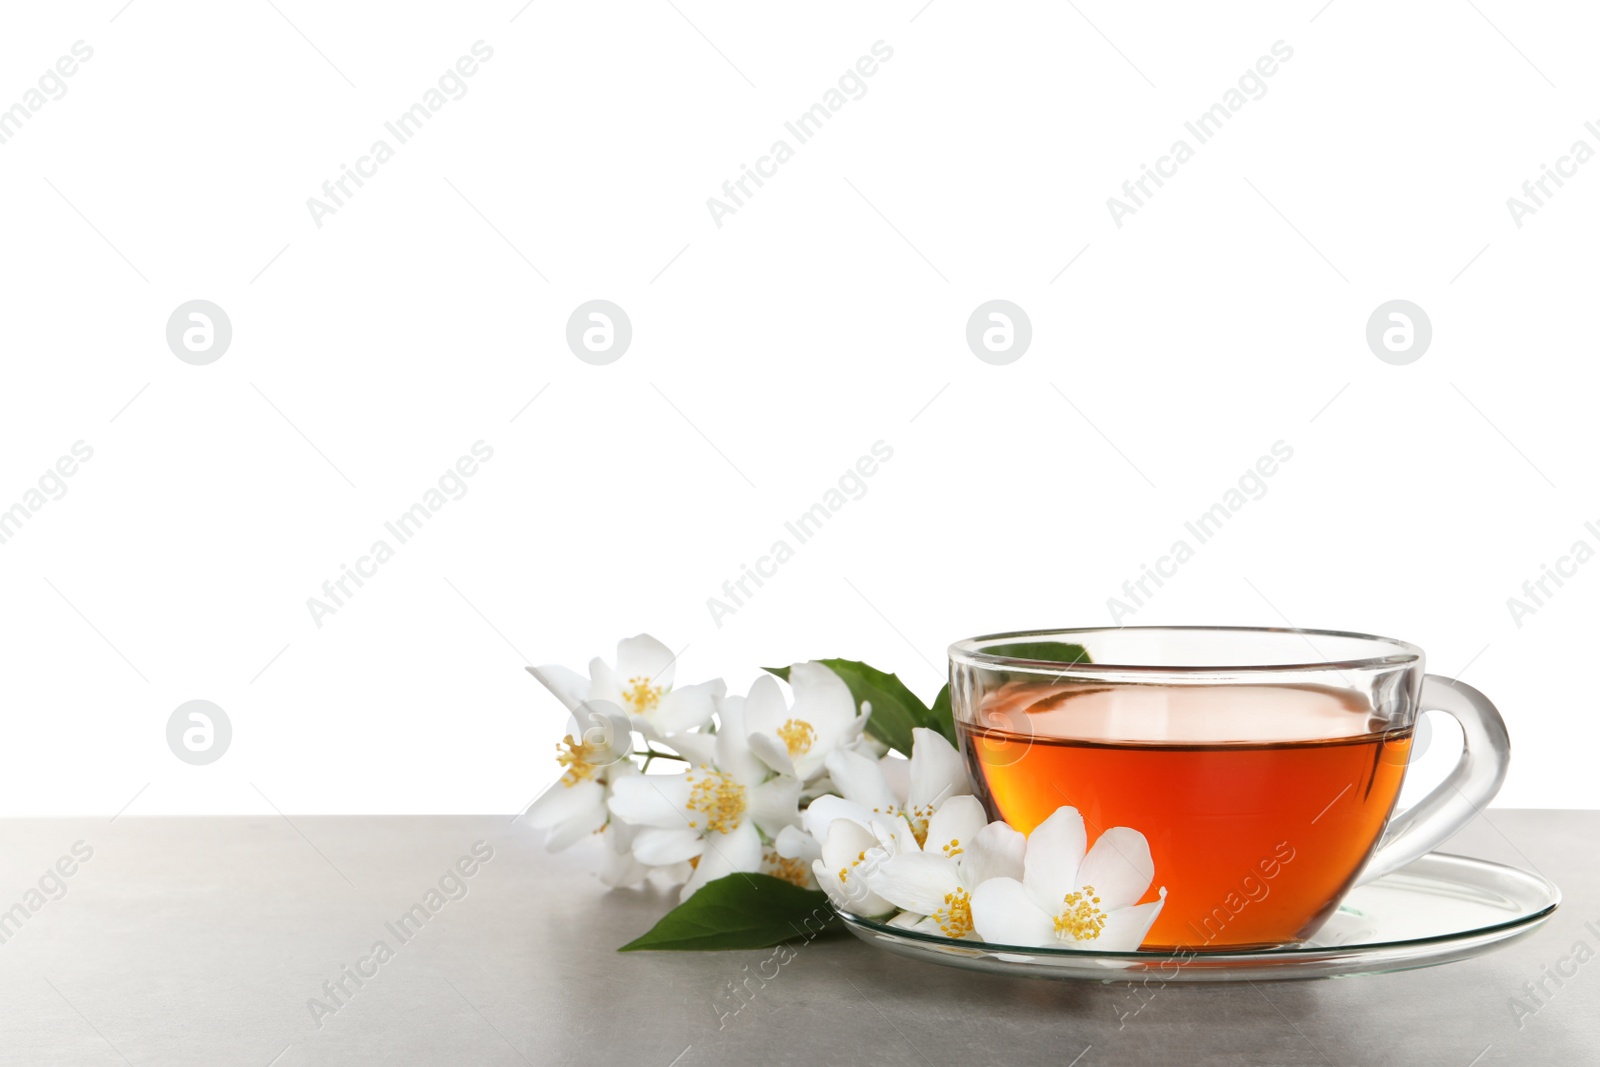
1438,909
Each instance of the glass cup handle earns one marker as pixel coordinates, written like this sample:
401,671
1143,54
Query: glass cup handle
1485,754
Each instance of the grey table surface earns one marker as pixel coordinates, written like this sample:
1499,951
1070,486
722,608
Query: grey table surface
204,940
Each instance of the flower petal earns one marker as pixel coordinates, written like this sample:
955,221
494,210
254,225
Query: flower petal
765,709
996,852
809,765
660,800
868,745
645,658
734,757
793,843
845,841
955,825
696,748
773,753
897,772
1055,851
859,779
620,870
660,848
831,885
581,825
606,728
1119,867
937,771
822,699
773,804
851,734
725,854
894,833
569,687
604,683
914,881
562,802
1126,928
1003,913
822,811
676,874
829,882
687,708
849,847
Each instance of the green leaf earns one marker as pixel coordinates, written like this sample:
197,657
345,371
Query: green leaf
1048,651
944,719
896,711
1061,652
741,911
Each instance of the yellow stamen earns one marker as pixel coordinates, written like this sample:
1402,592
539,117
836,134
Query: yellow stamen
792,871
954,848
918,818
844,872
719,798
798,736
955,918
576,759
1080,920
641,696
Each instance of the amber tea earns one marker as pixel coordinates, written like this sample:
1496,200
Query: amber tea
1261,803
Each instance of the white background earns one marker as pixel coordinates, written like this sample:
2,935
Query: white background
768,354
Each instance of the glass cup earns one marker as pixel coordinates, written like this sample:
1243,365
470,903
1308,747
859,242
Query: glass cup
1261,765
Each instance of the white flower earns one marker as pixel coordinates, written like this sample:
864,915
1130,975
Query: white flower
575,804
789,868
1067,898
621,868
569,813
934,882
880,790
716,814
848,853
797,741
641,685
